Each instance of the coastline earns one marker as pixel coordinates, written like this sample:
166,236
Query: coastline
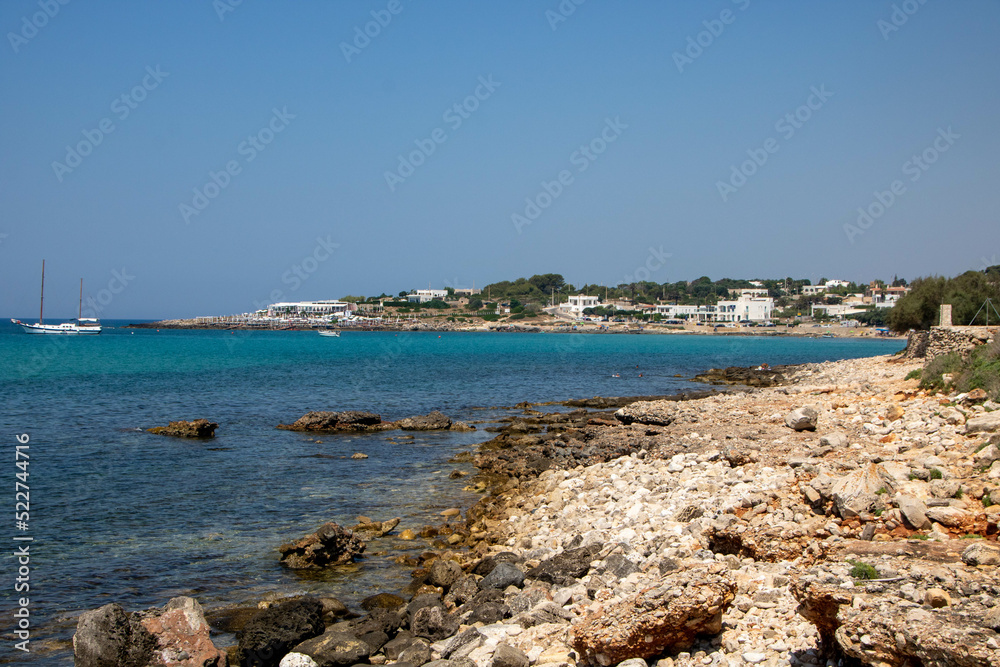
715,496
523,326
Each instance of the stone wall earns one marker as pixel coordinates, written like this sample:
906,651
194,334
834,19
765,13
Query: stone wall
942,340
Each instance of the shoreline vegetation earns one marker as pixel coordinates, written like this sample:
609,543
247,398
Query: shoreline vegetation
835,510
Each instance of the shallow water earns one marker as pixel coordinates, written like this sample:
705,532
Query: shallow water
119,515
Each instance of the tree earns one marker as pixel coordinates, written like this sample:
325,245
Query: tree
919,308
475,304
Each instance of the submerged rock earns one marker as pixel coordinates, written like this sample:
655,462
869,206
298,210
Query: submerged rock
330,545
434,421
198,428
332,422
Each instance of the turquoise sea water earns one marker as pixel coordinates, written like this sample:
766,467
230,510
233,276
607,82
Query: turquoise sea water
119,515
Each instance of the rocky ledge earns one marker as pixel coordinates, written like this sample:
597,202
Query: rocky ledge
199,428
354,421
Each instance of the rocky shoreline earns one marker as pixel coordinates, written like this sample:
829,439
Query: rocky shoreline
842,514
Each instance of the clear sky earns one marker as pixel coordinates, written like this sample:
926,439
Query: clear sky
199,157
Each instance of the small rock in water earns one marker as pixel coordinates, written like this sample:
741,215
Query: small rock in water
359,455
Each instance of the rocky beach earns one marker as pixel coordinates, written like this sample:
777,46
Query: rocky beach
833,514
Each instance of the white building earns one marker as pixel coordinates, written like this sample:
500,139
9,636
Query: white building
578,303
425,295
833,284
746,308
309,309
813,290
839,310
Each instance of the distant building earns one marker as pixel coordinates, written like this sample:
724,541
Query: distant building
813,290
834,284
309,309
577,303
748,307
467,291
425,295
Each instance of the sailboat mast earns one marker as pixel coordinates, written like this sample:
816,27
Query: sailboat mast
41,302
80,316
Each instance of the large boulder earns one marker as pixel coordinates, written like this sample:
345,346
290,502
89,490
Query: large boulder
335,649
981,554
433,421
334,422
199,428
802,419
330,545
985,423
565,568
109,636
175,636
661,619
273,632
860,493
914,512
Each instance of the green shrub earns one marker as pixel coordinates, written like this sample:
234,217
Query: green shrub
491,317
931,378
862,571
936,474
914,374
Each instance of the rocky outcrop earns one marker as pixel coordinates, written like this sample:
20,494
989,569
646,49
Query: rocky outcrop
665,618
273,632
199,428
651,413
338,422
751,376
433,421
329,545
175,636
871,626
333,649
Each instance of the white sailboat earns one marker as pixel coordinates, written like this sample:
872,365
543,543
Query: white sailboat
81,325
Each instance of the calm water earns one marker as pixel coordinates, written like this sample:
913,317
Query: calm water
120,515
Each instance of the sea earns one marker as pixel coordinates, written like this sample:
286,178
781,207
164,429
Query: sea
120,515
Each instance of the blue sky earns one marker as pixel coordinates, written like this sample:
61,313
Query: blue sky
739,138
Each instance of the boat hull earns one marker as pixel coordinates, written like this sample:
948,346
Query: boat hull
68,329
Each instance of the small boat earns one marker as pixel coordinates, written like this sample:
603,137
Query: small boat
81,325
329,332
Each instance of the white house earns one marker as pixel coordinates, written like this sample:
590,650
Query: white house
577,303
833,284
425,295
813,290
746,307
